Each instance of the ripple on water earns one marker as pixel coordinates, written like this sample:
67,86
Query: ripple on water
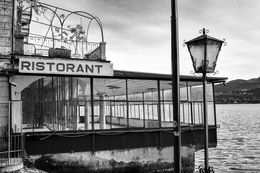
238,149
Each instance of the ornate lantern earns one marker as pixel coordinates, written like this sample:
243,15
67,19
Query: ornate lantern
204,52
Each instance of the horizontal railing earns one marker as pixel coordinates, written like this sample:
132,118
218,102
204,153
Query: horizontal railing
71,115
40,45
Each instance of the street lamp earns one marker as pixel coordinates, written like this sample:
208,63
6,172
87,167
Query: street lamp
204,51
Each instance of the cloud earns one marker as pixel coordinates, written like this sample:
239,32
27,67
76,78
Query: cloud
138,32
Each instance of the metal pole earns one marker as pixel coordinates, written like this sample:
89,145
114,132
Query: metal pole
206,136
175,86
205,122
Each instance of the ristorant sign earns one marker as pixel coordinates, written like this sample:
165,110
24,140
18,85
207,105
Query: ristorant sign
65,67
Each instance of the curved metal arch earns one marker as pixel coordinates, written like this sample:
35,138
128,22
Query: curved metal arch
54,12
80,13
88,29
91,19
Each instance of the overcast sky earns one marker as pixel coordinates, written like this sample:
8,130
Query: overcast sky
137,32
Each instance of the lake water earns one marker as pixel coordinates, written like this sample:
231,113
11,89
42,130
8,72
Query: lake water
238,147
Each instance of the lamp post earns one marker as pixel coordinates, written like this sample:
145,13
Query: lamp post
204,51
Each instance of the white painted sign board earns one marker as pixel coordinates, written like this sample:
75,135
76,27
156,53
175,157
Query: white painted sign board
65,67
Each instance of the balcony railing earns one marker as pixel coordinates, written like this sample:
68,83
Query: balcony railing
40,45
41,27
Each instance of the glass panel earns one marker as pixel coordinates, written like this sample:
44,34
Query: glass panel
143,103
166,104
110,106
183,91
197,53
135,96
210,92
196,91
197,99
185,113
84,104
56,104
211,116
212,52
136,114
197,111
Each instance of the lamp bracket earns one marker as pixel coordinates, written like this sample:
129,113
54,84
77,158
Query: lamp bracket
183,44
206,31
224,43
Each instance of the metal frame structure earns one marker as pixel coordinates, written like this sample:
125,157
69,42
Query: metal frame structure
35,139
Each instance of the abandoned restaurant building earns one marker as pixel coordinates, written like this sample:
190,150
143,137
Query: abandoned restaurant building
59,94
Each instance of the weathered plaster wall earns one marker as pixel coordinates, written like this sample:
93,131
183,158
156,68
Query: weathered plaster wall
137,160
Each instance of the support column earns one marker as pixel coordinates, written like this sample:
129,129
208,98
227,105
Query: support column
74,104
102,118
16,108
84,84
87,127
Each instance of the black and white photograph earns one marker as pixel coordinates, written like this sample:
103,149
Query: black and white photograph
129,86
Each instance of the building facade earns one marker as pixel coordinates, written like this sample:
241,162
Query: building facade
61,96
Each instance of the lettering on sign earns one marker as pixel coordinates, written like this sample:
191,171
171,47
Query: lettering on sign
65,67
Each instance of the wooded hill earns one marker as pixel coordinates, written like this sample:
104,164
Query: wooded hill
239,91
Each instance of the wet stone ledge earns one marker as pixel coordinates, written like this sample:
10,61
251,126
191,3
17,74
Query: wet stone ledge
48,164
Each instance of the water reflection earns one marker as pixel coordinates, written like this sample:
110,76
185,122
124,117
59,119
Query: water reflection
238,147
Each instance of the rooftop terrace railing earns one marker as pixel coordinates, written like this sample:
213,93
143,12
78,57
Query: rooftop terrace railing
41,27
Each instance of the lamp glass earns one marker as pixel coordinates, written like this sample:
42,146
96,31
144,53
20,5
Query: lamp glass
197,52
213,48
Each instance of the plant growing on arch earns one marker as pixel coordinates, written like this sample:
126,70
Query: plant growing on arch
78,35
